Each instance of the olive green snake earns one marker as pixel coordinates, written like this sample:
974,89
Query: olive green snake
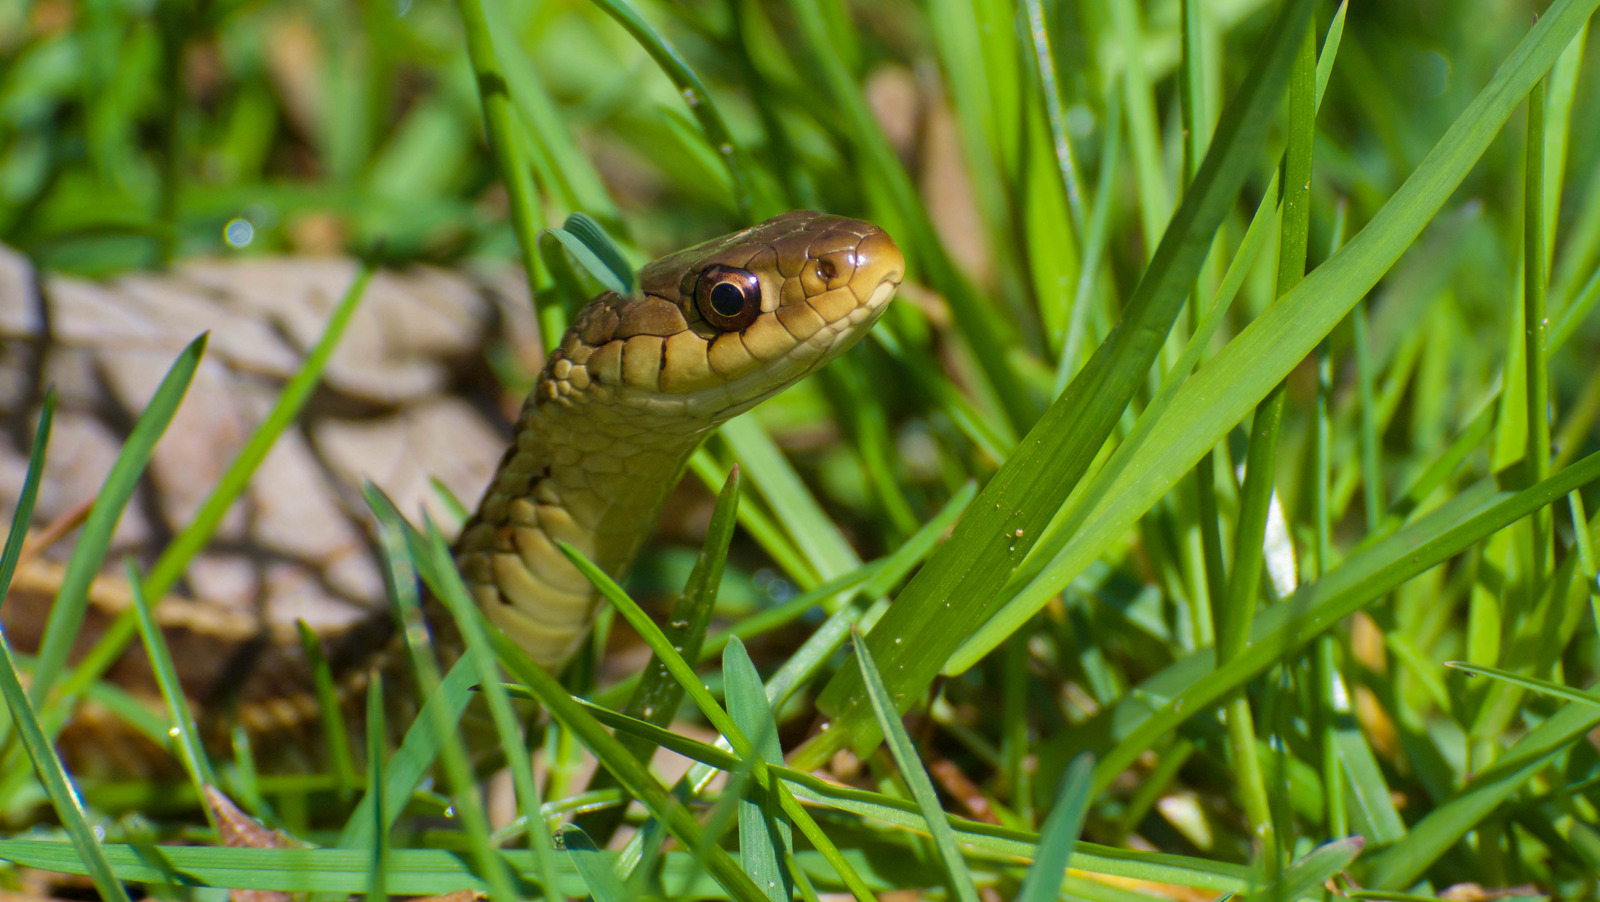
633,388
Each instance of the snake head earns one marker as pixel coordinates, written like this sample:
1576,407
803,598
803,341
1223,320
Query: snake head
716,328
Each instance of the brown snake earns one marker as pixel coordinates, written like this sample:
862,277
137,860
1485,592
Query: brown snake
634,387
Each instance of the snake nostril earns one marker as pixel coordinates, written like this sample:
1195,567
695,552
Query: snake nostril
826,270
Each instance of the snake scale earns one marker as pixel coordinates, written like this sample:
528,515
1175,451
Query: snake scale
634,387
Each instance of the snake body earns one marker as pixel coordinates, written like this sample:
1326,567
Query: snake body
634,387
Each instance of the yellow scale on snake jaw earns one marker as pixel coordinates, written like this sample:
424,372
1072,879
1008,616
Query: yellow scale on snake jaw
634,387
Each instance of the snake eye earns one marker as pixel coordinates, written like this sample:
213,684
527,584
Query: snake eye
728,298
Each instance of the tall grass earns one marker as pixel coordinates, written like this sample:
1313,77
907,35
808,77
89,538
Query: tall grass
1242,383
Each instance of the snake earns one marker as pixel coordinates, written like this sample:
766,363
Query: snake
636,384
623,400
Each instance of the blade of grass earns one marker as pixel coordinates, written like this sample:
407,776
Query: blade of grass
400,580
1398,866
1191,685
764,837
630,773
871,581
378,855
1233,381
1546,687
509,155
701,696
588,230
410,763
575,182
1060,834
1536,377
656,696
605,266
633,775
185,734
1309,875
958,878
335,734
58,786
905,214
1237,606
246,779
593,865
22,517
775,480
767,533
699,101
990,841
72,599
512,744
954,592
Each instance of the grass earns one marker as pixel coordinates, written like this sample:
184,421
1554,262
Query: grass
1217,497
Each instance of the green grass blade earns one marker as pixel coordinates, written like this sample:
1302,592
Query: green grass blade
1231,383
1365,779
593,235
411,761
699,101
578,186
63,797
400,578
413,872
1060,834
594,866
246,779
869,580
630,772
1545,687
808,893
911,770
701,696
1402,863
378,839
58,786
1308,875
985,839
72,600
772,537
336,735
906,216
606,268
422,743
992,436
764,837
775,480
921,630
506,722
657,695
569,290
22,517
504,141
1192,685
185,734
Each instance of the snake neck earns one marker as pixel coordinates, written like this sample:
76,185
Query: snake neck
586,471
